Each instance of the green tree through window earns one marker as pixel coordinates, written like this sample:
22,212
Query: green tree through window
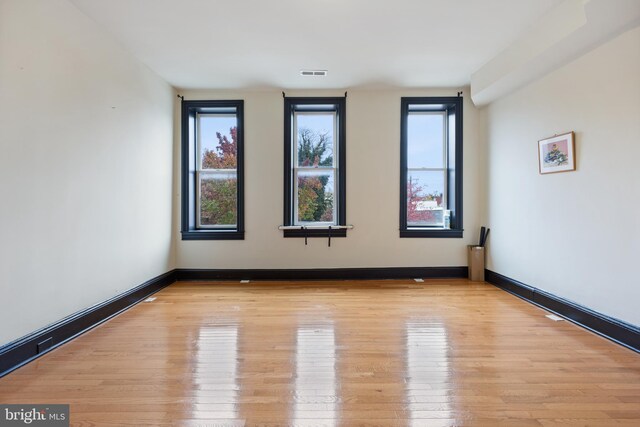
314,167
218,196
212,170
314,203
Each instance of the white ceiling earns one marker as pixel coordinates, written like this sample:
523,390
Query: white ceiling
363,43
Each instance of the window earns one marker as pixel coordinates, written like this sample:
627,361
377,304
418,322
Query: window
212,170
314,144
431,167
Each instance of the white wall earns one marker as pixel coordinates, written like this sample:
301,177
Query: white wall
85,166
573,234
373,171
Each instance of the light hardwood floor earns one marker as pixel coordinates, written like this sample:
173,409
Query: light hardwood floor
349,353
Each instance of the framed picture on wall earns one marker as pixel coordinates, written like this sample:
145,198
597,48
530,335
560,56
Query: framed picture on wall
557,153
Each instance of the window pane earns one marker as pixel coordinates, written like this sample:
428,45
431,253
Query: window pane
218,141
315,139
425,138
425,198
315,196
218,199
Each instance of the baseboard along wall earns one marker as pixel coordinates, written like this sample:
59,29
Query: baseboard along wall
28,348
616,330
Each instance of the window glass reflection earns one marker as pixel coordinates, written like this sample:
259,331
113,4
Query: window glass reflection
216,372
316,400
428,372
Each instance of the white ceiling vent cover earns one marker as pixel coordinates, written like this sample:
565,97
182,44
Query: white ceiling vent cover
316,73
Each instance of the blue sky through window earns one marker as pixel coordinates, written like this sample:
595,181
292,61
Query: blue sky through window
210,125
320,124
425,140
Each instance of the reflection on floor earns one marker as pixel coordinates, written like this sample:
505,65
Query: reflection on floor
216,370
427,366
329,354
316,390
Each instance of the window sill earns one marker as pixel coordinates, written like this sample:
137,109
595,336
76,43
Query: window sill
212,235
437,233
315,233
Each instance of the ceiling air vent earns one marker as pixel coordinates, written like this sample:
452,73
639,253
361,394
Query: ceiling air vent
316,73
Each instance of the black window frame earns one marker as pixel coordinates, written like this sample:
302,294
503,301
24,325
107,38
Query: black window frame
290,107
452,106
189,231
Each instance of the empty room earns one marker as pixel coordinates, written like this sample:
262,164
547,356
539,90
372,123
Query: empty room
219,213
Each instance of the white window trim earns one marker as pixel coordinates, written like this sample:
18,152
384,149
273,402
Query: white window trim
200,171
444,169
334,170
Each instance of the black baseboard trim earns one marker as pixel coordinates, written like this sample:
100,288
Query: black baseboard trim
23,350
28,348
616,330
323,273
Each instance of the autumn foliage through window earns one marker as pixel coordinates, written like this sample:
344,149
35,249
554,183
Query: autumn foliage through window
218,193
417,198
431,167
315,196
212,170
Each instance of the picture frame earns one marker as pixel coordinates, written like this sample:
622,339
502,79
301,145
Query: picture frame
557,154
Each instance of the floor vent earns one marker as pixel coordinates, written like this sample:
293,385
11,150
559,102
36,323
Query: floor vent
44,345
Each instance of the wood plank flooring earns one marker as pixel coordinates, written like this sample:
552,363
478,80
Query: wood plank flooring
349,353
